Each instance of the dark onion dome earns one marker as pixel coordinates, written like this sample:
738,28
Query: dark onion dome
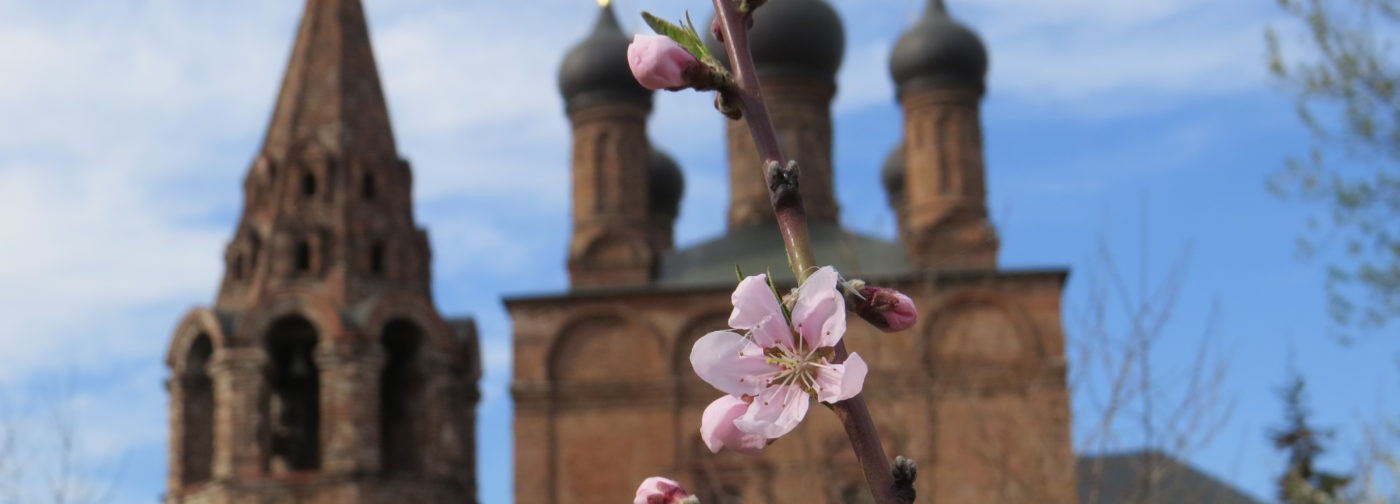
665,183
596,70
938,51
892,175
792,38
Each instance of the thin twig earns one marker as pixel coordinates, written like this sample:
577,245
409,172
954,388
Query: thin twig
781,179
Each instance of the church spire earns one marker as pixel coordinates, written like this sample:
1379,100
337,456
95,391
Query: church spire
328,202
331,96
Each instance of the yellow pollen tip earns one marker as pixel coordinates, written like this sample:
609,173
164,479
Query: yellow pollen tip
604,3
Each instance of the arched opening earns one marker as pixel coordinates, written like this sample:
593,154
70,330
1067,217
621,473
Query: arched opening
303,257
254,248
367,188
294,396
308,184
197,414
376,258
235,267
400,398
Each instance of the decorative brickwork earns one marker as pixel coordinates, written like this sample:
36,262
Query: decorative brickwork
945,189
323,373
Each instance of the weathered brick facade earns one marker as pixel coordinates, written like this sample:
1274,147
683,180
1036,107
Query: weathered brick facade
323,373
975,392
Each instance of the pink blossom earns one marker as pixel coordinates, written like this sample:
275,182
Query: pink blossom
659,62
775,364
717,427
659,490
887,309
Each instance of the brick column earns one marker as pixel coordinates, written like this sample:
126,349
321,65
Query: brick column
440,432
175,451
239,384
349,406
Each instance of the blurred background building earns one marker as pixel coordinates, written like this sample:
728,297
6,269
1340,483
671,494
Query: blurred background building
323,372
604,391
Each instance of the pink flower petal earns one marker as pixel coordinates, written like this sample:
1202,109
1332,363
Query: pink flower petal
825,323
756,309
718,431
731,363
820,312
775,412
773,332
853,381
841,381
819,285
828,382
753,301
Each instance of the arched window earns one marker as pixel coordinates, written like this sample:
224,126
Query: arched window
400,398
197,414
367,188
302,261
235,267
376,258
308,184
254,248
294,396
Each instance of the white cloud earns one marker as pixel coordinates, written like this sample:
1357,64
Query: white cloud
1076,57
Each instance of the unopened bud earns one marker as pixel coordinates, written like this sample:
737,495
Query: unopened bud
659,62
887,309
659,490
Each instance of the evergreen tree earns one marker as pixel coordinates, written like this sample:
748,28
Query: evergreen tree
1301,482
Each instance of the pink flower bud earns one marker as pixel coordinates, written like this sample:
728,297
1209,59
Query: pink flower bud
887,309
659,490
659,62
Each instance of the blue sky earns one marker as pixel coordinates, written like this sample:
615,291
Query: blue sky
128,126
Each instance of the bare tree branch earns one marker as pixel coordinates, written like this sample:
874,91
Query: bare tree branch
1134,402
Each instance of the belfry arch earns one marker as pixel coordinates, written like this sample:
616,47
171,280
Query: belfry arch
401,400
293,397
197,416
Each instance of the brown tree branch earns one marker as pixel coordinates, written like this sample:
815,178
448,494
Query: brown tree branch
781,177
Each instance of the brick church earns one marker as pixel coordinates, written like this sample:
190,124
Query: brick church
324,373
603,388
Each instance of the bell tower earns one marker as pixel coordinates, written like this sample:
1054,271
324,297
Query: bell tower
626,192
799,83
611,243
323,372
939,67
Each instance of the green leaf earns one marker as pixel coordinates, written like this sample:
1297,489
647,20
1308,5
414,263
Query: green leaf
703,53
685,35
